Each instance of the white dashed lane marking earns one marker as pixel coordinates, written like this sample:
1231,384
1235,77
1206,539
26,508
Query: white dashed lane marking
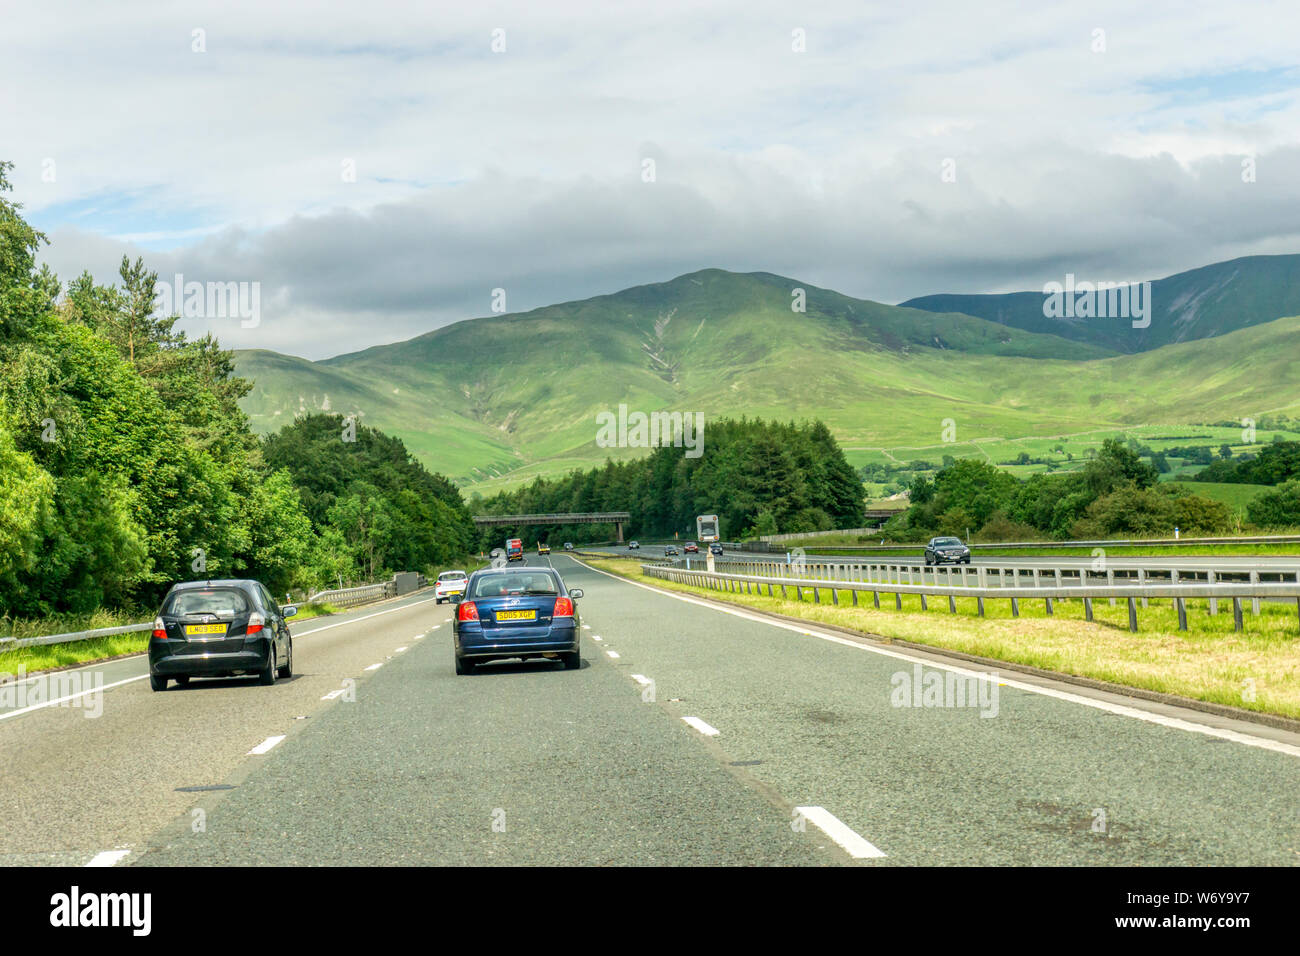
108,858
837,830
702,727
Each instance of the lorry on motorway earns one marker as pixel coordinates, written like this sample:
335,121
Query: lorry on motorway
514,549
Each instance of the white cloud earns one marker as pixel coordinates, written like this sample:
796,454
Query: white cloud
522,170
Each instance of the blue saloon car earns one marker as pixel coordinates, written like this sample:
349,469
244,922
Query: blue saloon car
521,613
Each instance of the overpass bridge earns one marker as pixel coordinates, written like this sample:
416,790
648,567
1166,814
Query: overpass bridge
616,518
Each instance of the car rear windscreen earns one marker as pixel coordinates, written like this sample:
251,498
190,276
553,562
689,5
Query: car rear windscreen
223,602
452,576
497,585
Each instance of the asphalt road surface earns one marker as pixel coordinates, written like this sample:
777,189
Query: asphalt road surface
691,735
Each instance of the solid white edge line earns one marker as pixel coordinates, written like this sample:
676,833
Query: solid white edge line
613,654
265,745
641,679
849,841
364,617
119,683
1175,723
702,727
108,858
399,650
61,700
375,667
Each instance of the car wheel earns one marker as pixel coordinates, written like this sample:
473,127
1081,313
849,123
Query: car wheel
464,666
266,676
572,661
157,683
287,670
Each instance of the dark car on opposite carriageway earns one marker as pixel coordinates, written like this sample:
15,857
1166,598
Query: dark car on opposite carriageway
946,550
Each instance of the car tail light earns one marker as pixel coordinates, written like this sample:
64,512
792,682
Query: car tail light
467,611
563,607
159,629
255,623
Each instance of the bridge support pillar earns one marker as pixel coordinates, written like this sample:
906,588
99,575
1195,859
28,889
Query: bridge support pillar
618,526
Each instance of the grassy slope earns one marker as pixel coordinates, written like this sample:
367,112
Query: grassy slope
495,401
1196,304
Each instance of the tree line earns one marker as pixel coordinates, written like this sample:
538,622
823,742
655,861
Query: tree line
759,477
126,463
1115,494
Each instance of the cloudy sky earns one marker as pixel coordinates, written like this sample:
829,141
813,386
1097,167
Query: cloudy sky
379,168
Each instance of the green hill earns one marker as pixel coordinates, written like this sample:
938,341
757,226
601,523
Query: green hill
1197,304
495,401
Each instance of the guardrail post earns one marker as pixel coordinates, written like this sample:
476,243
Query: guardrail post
875,596
1087,609
1047,604
1254,602
854,592
817,598
924,606
952,604
1236,614
1015,608
1110,583
835,597
1132,615
798,592
898,600
1182,613
1210,577
980,600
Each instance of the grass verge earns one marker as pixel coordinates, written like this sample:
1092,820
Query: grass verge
44,657
1257,670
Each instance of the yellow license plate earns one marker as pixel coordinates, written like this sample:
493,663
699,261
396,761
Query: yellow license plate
205,629
516,615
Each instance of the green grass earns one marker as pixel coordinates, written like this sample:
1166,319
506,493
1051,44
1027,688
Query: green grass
1210,662
1235,496
496,401
44,657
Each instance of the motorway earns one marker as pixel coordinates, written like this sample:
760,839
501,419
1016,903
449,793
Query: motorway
1235,563
793,754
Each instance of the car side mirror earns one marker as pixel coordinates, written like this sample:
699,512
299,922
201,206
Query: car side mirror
575,593
288,611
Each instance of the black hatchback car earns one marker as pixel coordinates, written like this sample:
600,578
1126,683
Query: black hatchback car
220,629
